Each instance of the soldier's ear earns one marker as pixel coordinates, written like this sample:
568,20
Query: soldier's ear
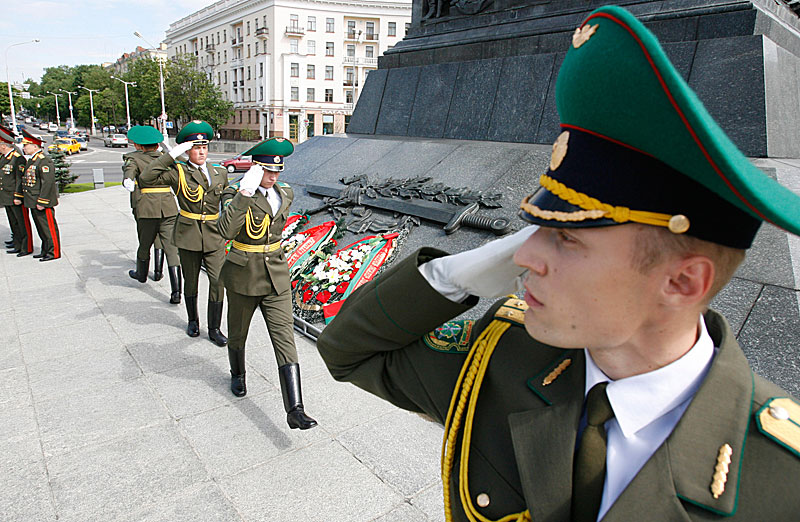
688,281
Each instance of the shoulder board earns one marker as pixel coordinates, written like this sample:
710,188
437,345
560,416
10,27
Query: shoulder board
15,154
451,337
216,165
779,420
512,311
180,162
282,184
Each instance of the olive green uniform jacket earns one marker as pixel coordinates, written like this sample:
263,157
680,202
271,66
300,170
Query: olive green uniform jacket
191,234
147,205
254,273
12,166
39,182
524,431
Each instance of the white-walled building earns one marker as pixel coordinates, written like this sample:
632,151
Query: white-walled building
293,68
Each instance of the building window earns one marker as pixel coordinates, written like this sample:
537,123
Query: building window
261,93
348,96
328,95
351,50
349,76
329,27
249,98
256,48
224,35
248,50
408,26
248,28
218,55
310,126
261,70
217,37
248,72
329,72
370,51
295,93
370,30
294,23
310,94
310,72
225,75
351,29
311,47
392,28
312,23
219,78
328,48
293,46
225,54
327,124
240,116
295,70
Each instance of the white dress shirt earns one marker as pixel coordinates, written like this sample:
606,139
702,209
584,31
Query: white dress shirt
273,198
647,408
204,170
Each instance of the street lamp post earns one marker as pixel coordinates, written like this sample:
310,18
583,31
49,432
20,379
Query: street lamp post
58,116
8,81
91,105
69,94
163,117
127,105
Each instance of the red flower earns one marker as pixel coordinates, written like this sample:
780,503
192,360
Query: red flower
294,283
342,288
324,296
307,295
305,286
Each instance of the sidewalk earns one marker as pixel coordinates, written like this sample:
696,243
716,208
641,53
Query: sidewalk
108,411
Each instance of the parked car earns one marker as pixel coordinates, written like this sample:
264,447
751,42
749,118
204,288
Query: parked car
43,126
238,163
61,134
52,127
83,142
66,145
115,140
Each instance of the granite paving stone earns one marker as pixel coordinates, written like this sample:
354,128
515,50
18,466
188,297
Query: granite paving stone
159,355
430,502
201,501
107,481
245,433
71,338
341,487
25,493
91,416
404,513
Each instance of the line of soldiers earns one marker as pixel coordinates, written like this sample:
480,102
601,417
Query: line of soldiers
192,234
28,188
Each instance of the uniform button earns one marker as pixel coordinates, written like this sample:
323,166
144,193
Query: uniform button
483,500
266,258
778,413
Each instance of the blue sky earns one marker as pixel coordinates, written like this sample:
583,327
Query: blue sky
81,31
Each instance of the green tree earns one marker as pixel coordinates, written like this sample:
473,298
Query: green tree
145,98
5,106
63,177
190,95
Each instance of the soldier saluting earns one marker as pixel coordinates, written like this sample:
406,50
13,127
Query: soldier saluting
255,271
611,392
198,186
155,211
40,195
12,165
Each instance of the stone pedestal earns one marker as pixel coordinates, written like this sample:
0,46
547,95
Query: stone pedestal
490,76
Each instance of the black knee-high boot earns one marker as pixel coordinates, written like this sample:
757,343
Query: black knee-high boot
140,274
214,320
293,398
158,264
175,283
193,328
236,358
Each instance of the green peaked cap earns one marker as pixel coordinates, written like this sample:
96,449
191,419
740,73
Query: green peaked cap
145,135
195,130
271,147
619,83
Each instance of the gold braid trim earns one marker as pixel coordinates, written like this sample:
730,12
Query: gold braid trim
193,196
465,396
592,207
256,230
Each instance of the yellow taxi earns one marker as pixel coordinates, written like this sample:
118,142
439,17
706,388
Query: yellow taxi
65,145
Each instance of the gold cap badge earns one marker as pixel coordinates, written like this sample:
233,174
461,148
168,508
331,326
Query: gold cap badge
582,35
559,150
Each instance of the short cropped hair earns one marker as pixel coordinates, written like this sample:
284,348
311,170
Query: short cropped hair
148,148
655,244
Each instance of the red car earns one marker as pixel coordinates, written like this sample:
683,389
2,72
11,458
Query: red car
238,163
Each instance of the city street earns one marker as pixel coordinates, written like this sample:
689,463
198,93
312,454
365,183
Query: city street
106,158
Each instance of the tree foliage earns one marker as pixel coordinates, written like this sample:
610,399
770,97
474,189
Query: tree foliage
190,95
63,177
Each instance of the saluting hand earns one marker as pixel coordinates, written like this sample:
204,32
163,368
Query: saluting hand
180,149
251,179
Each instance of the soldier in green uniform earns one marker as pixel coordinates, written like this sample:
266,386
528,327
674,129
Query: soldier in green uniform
198,186
255,272
611,391
155,211
40,195
129,173
12,165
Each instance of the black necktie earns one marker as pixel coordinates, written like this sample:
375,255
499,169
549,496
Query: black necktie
589,472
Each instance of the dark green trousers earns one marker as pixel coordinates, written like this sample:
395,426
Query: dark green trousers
159,231
20,227
157,242
190,265
46,226
277,312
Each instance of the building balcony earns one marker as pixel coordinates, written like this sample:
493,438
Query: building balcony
371,36
295,30
236,42
367,62
350,83
210,48
262,32
348,106
352,35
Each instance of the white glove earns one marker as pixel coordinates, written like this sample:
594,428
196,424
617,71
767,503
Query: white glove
252,179
128,184
486,271
181,149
